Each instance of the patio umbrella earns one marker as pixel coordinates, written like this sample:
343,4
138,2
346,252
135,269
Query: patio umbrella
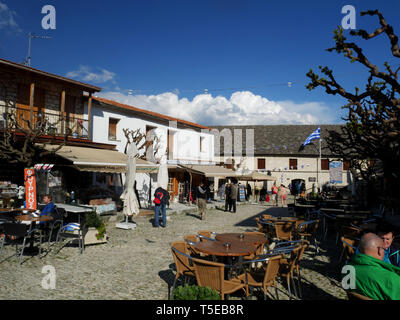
162,176
131,204
255,176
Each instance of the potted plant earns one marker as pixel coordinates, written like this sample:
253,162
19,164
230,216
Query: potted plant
195,292
96,229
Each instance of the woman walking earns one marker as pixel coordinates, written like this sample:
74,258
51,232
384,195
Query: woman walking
283,192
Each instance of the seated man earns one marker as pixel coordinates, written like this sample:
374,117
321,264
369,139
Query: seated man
375,279
49,205
392,252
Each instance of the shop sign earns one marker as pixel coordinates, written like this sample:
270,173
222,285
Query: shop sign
30,188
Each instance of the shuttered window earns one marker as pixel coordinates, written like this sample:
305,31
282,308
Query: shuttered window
112,129
260,163
324,164
293,164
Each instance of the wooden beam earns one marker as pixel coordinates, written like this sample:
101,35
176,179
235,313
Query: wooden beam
62,111
90,116
31,101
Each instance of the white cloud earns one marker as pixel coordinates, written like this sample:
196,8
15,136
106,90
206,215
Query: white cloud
84,73
242,108
7,19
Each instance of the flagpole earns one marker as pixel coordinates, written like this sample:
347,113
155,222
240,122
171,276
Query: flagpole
320,159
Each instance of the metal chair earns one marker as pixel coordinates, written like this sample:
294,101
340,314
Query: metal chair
16,231
287,267
77,234
353,296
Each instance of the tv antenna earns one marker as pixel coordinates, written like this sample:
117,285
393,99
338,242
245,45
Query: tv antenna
32,36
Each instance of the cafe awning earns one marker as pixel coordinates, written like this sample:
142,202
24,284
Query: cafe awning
101,160
213,170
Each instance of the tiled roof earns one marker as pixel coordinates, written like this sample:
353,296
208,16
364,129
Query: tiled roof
85,86
150,113
281,140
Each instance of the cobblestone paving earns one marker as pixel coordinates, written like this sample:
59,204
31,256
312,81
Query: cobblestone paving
137,264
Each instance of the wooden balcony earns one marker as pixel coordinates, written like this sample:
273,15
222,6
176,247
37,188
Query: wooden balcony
56,125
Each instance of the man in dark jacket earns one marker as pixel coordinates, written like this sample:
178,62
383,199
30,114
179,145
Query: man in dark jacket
202,194
234,193
161,199
228,189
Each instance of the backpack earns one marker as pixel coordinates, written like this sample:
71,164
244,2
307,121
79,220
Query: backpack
158,198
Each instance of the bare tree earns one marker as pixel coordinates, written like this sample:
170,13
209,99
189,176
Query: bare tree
149,143
372,129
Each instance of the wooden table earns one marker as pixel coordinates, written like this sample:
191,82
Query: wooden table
217,248
332,210
252,239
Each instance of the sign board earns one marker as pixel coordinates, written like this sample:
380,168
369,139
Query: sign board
242,193
336,172
312,179
30,188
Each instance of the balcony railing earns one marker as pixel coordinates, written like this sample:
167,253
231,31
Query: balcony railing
56,125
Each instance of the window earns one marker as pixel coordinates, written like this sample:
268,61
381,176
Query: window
202,141
293,164
324,164
346,165
261,164
112,128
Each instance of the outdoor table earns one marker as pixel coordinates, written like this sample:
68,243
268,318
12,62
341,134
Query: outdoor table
28,217
74,209
252,239
217,248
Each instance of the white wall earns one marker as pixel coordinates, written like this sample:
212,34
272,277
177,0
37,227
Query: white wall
186,143
279,167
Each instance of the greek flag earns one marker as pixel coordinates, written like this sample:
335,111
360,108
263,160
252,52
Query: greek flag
315,135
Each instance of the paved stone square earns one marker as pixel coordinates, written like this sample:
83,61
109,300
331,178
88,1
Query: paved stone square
137,264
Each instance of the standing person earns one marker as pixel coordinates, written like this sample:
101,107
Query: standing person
248,188
221,192
234,193
283,191
228,192
274,195
201,193
161,199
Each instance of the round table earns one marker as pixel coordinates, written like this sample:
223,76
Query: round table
252,239
217,248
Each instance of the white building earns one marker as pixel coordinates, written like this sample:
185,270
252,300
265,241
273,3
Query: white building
275,149
183,142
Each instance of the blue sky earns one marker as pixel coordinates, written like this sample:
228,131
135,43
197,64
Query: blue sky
168,52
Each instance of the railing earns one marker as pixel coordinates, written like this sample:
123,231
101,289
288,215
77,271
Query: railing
56,125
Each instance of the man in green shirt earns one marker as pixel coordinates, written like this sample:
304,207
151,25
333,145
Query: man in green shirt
375,279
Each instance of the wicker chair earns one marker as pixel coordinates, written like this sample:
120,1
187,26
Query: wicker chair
260,247
308,230
264,277
191,239
211,274
182,259
353,296
284,230
287,268
205,235
350,232
349,247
